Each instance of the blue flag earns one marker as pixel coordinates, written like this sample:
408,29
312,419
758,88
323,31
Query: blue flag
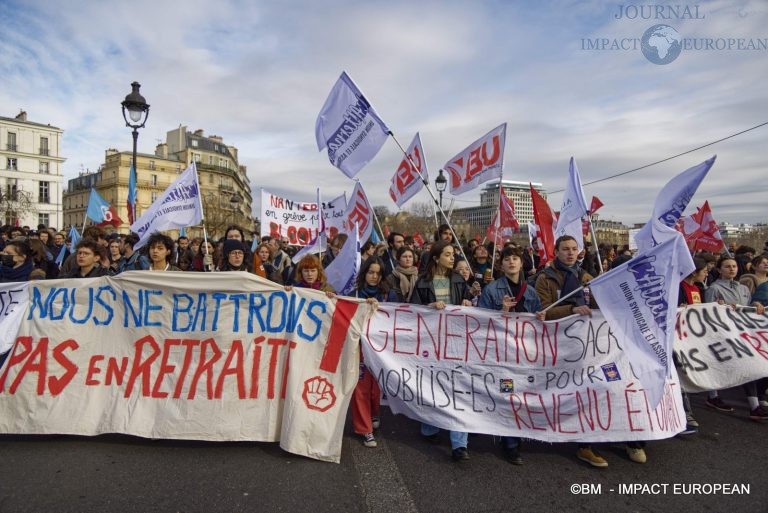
97,207
75,237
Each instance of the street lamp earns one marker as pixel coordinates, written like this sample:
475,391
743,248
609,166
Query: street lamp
441,183
234,201
137,113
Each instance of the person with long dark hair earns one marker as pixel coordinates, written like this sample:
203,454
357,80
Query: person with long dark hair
437,288
367,395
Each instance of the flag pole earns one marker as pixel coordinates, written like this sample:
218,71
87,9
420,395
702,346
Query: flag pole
498,225
378,224
202,211
85,215
594,243
571,293
434,198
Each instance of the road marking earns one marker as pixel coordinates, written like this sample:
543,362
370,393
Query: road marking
383,487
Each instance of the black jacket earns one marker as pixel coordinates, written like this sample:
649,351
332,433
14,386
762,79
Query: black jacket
424,292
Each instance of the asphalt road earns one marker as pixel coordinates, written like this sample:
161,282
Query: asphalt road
116,473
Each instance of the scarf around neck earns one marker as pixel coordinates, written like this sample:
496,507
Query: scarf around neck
407,279
20,273
571,282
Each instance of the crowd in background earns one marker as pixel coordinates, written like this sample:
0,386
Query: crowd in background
437,274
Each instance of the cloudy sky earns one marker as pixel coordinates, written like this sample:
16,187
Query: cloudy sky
257,73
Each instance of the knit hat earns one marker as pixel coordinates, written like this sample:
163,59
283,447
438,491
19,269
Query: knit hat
233,245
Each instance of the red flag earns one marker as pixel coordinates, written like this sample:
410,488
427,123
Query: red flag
595,205
418,239
111,218
386,230
542,216
708,234
585,228
504,222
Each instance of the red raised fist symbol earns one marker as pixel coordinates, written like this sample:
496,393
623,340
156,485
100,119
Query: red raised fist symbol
318,394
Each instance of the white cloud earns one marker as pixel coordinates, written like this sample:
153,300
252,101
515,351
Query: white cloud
256,73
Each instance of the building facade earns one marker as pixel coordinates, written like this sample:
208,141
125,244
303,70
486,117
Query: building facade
224,184
31,173
478,218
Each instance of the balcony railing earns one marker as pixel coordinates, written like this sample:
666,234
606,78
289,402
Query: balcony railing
44,151
11,147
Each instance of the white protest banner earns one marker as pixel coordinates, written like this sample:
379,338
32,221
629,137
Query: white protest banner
319,243
670,205
718,347
639,299
14,298
507,374
215,356
406,181
479,162
574,207
297,220
178,207
359,214
350,127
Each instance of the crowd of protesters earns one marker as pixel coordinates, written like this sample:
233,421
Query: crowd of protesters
437,274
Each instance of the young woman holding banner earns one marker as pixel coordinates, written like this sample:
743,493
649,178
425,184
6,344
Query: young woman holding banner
366,399
310,275
438,287
728,291
511,293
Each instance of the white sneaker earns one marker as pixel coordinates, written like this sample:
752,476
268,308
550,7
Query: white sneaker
369,440
376,422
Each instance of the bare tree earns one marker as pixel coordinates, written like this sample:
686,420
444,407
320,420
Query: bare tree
14,204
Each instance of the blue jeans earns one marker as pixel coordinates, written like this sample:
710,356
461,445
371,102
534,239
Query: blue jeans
458,439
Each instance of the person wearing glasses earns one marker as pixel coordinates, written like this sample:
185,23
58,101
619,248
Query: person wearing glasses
234,257
88,258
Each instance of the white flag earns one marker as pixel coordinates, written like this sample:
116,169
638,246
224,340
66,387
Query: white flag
320,242
639,300
350,128
342,272
178,207
406,182
359,214
573,209
670,204
479,162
